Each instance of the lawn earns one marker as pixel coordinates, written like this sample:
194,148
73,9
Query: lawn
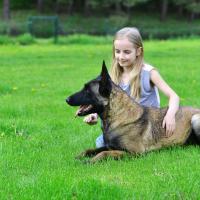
39,135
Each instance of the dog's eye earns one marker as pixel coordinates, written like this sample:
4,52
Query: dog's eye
87,91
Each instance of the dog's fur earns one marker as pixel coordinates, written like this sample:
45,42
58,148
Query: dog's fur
128,126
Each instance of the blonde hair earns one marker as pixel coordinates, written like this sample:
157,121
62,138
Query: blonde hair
133,35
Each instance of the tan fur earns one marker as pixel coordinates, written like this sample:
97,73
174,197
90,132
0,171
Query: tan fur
137,129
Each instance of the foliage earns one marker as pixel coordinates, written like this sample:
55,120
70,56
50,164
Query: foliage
180,2
84,39
103,6
22,4
194,7
150,26
131,3
104,17
4,40
25,39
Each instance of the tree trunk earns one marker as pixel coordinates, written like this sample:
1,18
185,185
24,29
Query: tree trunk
129,14
40,6
192,16
6,9
70,8
164,8
78,6
180,10
57,6
64,7
86,8
117,7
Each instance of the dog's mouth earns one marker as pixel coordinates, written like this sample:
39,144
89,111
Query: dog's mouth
84,110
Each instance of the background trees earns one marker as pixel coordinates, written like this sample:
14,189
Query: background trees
6,9
100,17
190,8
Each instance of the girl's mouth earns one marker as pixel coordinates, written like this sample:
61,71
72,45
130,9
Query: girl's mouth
123,61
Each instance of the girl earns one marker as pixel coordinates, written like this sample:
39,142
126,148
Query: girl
140,80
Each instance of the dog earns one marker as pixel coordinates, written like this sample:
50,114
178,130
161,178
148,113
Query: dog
127,126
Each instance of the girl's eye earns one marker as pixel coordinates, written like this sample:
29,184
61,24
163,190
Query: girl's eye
117,51
127,52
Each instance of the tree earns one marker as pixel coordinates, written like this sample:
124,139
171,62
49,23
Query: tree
64,5
131,3
164,9
6,9
117,6
87,5
194,8
180,5
96,4
40,5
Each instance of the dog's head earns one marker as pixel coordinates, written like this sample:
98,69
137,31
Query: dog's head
94,96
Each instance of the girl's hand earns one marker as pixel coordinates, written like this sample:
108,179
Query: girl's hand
91,119
169,124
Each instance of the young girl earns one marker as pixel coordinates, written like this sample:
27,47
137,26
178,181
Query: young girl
140,80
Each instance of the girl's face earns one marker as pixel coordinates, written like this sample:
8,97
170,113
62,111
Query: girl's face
125,52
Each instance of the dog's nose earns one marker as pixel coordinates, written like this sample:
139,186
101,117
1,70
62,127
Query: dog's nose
68,100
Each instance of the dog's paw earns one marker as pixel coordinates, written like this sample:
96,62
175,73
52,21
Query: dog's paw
80,156
87,153
83,159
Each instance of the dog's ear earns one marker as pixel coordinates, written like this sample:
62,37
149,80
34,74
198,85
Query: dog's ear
104,68
105,81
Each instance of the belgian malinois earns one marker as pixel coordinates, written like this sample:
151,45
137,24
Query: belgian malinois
128,126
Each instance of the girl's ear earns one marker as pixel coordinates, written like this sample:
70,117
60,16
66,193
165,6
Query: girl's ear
139,51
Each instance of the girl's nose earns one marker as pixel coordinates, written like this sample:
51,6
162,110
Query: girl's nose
121,56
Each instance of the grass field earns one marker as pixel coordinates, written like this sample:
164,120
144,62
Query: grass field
39,135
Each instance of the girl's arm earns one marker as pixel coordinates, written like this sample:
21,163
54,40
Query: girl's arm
91,119
169,119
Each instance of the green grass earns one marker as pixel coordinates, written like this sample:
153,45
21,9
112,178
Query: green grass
39,135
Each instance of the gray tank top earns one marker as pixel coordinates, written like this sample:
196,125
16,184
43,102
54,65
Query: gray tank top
149,94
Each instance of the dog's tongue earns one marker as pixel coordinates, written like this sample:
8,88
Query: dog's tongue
81,108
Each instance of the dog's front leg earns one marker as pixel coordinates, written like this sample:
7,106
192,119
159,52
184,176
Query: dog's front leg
91,152
116,154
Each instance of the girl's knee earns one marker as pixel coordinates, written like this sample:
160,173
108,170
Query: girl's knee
196,122
100,141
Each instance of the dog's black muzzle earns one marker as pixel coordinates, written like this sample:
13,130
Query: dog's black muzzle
72,101
79,98
68,100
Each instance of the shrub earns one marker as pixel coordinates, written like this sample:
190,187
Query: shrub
84,39
25,39
4,39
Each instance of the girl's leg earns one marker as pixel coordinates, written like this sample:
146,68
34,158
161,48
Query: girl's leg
100,141
196,125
